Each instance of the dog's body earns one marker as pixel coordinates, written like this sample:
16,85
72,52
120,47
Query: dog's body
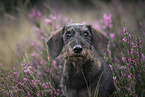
85,72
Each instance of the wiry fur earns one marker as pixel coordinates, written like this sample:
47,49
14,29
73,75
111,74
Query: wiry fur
83,71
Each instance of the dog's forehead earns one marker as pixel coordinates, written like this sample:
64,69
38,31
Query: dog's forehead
77,27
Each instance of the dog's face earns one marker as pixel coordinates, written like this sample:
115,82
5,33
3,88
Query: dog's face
77,41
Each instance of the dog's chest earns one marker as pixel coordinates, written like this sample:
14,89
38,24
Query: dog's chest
76,81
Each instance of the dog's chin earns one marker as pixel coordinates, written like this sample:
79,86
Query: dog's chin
77,58
77,61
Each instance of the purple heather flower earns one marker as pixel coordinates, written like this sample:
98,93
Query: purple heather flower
27,71
43,84
39,73
112,35
53,17
38,66
25,79
23,64
57,77
60,66
143,56
41,62
114,77
129,76
29,94
123,58
84,23
15,73
54,62
42,37
124,29
47,21
52,33
110,66
9,76
141,24
32,54
38,94
35,16
107,21
124,40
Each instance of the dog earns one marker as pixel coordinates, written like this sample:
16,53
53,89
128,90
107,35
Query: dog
85,71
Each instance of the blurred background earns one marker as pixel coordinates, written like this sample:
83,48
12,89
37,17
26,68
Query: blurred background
16,27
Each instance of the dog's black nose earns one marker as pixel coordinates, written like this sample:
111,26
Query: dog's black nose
77,49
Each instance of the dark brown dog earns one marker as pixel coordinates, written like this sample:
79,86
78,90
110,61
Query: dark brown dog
85,72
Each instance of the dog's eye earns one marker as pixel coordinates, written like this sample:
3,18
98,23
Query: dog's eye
68,34
85,34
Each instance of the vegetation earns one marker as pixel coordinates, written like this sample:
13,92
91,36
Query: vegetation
33,73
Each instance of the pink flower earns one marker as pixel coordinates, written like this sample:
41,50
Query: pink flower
41,62
57,77
124,40
47,21
53,17
42,37
29,94
9,76
123,58
27,71
114,77
25,79
39,66
32,54
35,16
15,73
39,73
124,29
60,66
23,64
112,35
54,62
107,21
141,24
43,84
110,67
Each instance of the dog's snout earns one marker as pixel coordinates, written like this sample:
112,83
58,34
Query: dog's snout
77,49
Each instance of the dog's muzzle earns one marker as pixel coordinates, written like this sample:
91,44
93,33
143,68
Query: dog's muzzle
77,49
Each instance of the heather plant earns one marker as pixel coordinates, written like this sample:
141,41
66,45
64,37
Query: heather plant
128,69
126,60
37,75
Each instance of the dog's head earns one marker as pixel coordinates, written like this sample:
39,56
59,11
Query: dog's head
77,40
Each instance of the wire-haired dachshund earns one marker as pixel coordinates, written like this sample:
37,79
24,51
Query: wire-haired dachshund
85,72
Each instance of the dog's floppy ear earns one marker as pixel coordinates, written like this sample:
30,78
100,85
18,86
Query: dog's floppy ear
55,43
99,40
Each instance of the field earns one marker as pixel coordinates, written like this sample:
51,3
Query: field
26,70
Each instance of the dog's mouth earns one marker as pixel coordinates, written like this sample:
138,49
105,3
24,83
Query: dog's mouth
76,56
